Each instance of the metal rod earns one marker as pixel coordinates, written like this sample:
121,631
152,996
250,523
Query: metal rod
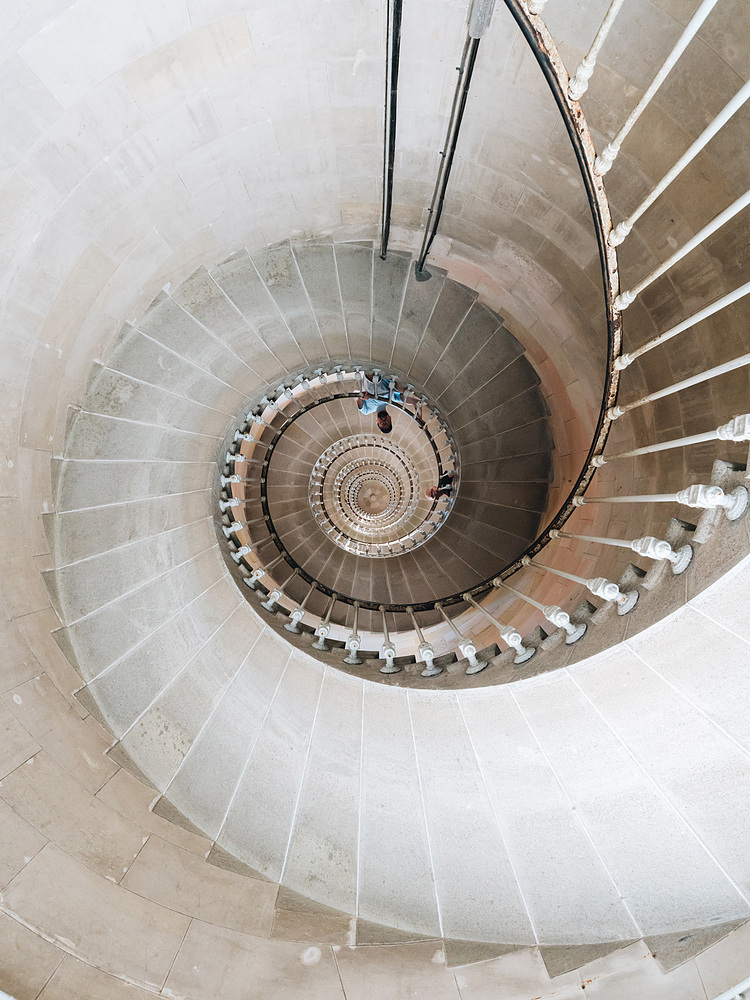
393,46
648,546
615,412
425,649
554,614
625,360
699,495
466,69
619,233
608,155
599,586
737,429
325,626
624,299
579,82
507,633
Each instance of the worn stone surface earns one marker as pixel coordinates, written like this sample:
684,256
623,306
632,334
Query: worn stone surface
148,148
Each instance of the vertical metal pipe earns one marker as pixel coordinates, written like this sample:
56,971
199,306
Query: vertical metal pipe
393,52
465,71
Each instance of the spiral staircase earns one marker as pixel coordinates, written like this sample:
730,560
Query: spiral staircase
266,727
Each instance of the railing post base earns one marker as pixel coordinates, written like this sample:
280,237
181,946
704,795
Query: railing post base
738,505
626,602
528,652
683,558
579,630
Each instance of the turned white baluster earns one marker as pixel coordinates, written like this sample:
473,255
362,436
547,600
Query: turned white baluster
354,642
387,650
299,612
726,300
425,649
615,412
608,155
579,82
700,495
648,546
624,299
554,614
467,647
247,436
225,505
323,630
737,429
271,604
599,586
243,550
236,526
260,572
620,231
507,633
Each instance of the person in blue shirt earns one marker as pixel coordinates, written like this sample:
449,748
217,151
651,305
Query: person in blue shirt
376,395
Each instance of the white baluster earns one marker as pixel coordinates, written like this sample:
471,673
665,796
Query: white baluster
243,550
599,586
299,612
225,505
726,300
702,496
624,299
323,630
387,650
579,82
466,646
648,546
622,230
425,649
507,633
354,642
615,412
737,429
554,614
608,155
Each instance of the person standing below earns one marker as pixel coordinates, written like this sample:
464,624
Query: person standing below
375,396
444,488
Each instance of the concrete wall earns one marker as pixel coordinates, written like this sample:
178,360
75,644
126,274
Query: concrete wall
143,140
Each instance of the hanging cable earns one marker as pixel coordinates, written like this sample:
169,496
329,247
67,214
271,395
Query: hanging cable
391,101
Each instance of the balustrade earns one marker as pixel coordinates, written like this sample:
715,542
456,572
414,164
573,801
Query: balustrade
734,504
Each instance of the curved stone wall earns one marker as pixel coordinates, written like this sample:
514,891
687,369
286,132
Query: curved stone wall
142,141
